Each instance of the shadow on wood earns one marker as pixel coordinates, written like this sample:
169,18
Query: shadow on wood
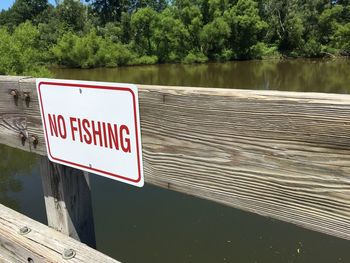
68,201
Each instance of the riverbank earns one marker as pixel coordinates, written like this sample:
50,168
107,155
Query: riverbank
79,36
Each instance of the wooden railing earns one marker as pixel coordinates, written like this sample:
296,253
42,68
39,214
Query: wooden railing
284,155
24,240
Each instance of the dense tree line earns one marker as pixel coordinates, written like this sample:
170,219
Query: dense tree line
101,33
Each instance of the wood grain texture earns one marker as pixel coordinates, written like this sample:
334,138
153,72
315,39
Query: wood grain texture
41,244
12,122
31,112
68,201
284,155
279,154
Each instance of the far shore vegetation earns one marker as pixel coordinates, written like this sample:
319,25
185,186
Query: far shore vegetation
35,35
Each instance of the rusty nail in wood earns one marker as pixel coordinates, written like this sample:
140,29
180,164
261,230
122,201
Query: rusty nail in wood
26,98
68,254
14,93
24,230
34,140
23,137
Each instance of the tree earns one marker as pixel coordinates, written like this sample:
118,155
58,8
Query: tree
342,39
246,27
171,38
109,10
190,15
214,37
72,14
329,21
23,10
21,52
143,23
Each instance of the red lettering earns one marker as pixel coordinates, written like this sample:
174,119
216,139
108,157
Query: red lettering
97,132
61,123
80,133
53,125
125,144
104,134
113,136
87,135
72,128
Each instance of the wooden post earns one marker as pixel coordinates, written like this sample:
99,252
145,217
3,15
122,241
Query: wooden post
68,201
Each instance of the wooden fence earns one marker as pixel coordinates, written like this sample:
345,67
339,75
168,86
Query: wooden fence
284,155
24,240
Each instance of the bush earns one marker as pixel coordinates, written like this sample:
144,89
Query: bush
20,52
342,39
197,57
262,51
144,60
90,51
312,48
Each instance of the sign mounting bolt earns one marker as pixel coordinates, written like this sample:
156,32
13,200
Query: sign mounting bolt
26,98
35,140
68,253
23,137
24,230
14,93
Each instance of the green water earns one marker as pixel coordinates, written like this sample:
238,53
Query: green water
154,225
330,76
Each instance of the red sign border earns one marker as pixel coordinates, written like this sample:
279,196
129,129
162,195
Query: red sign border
93,87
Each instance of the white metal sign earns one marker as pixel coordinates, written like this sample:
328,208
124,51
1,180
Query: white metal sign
93,126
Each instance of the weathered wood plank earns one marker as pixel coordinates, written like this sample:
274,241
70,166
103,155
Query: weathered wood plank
41,244
68,201
12,122
279,154
32,111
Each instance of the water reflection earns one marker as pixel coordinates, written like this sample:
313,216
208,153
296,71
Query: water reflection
12,162
331,76
20,183
156,225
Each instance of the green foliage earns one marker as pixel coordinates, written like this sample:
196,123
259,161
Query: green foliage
195,58
143,23
342,39
20,52
246,26
214,36
72,14
109,33
329,23
312,48
263,51
170,38
23,10
108,10
89,51
144,60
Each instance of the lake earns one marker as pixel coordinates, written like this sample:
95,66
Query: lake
159,226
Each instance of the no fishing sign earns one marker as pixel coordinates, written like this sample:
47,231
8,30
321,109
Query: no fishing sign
93,126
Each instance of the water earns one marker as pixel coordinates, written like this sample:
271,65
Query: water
155,225
331,76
